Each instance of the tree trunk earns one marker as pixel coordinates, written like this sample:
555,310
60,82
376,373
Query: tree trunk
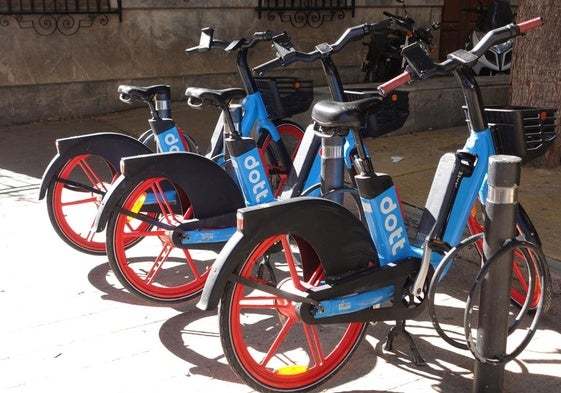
536,66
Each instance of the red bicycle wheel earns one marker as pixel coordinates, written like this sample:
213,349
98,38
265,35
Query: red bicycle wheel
264,340
155,269
73,198
291,135
520,270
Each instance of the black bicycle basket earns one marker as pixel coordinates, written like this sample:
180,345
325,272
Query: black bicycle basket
522,131
392,114
285,96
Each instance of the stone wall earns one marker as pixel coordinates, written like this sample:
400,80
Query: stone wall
65,76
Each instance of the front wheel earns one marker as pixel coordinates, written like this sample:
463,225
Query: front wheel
264,340
520,265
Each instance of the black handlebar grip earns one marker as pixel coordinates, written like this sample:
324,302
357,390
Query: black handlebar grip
266,35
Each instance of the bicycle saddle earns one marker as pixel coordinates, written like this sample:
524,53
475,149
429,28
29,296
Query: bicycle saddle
337,117
200,96
128,93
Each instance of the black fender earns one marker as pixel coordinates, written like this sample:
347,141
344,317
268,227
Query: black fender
109,145
526,227
340,240
211,191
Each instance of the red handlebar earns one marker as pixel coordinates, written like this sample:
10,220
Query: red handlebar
394,83
530,24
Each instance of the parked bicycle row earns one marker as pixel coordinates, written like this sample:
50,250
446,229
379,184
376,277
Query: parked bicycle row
290,228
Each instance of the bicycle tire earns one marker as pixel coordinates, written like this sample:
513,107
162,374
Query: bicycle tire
155,270
294,361
291,136
135,270
83,181
539,309
519,287
74,195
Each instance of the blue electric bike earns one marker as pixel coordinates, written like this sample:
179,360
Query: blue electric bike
190,203
300,279
85,166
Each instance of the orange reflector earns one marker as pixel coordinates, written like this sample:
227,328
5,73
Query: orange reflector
394,97
297,85
292,370
543,115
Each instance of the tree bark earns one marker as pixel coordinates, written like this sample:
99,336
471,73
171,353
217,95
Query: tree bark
536,67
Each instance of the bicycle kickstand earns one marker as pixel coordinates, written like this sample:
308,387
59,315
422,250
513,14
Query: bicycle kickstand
398,329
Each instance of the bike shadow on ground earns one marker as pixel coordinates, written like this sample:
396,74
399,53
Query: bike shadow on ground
194,337
102,278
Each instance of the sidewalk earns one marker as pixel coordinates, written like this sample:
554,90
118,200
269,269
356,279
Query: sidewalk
67,324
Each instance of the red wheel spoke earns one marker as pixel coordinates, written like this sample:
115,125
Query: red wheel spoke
259,302
315,344
520,276
136,234
78,202
316,276
158,263
292,264
192,264
277,342
92,175
163,203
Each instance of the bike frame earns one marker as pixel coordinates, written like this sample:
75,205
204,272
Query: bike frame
450,211
249,167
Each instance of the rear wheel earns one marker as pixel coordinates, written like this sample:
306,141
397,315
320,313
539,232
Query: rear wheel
264,340
155,269
291,135
73,198
75,194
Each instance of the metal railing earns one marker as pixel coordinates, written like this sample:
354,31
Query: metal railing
301,13
64,16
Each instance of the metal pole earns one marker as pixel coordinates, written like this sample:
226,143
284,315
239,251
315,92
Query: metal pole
494,301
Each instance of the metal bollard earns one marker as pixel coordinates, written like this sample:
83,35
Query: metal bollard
494,300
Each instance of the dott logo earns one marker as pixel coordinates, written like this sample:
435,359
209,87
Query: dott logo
396,238
171,142
259,189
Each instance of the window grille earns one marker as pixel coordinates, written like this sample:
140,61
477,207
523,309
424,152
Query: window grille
301,13
65,16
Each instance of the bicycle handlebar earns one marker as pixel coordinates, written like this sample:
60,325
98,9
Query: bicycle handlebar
351,34
231,46
493,37
404,21
219,44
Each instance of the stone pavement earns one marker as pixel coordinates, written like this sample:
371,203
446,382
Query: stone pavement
67,324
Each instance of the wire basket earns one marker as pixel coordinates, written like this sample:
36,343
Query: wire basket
392,114
285,96
522,131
